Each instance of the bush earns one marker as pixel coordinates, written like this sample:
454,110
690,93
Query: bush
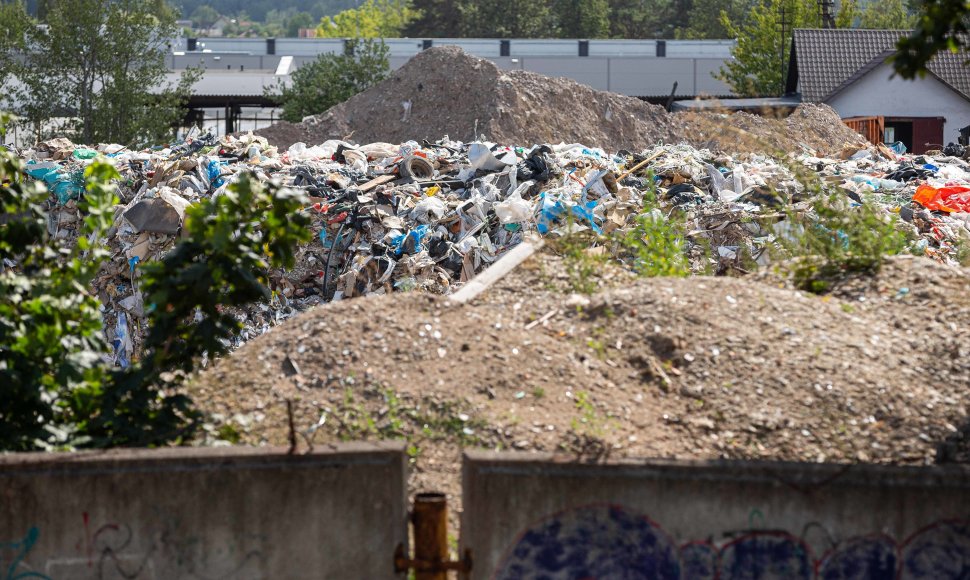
50,324
656,242
835,239
57,393
332,79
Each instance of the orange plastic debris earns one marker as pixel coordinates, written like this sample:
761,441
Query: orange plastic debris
949,198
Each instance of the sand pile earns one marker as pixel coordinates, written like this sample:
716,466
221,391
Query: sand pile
452,93
445,91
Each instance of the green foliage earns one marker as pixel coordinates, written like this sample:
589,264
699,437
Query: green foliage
435,18
102,61
707,17
507,19
50,323
57,392
887,15
373,19
761,54
204,17
656,242
834,240
588,421
259,10
231,243
656,19
583,264
14,27
876,15
943,25
332,79
583,18
848,14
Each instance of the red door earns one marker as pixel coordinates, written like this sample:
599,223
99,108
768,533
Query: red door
927,134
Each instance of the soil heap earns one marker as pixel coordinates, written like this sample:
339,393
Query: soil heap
445,91
662,367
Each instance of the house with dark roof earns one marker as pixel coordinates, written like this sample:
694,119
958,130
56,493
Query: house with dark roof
849,70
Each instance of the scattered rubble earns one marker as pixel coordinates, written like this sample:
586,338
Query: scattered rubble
690,368
400,217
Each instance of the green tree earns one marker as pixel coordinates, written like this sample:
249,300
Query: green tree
332,79
102,62
848,14
50,325
507,19
204,17
583,18
373,19
707,17
943,25
15,26
648,18
56,390
297,21
887,15
435,19
230,244
761,53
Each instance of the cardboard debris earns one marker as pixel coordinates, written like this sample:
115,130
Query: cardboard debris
385,222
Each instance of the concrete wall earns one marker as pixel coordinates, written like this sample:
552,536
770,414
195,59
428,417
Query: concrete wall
876,94
529,516
203,513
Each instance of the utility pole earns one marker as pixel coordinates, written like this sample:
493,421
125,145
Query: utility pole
826,17
783,22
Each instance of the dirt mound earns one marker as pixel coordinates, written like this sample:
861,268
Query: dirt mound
445,91
812,126
455,94
663,367
285,133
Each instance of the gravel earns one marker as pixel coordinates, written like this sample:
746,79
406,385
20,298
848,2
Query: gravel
695,367
452,93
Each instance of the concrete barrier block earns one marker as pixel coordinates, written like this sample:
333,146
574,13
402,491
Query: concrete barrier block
532,516
204,513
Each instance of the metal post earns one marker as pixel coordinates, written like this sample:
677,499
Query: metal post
431,533
429,521
784,30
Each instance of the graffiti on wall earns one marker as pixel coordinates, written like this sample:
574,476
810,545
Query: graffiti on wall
607,541
13,556
114,550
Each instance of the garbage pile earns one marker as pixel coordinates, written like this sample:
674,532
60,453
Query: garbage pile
430,216
930,193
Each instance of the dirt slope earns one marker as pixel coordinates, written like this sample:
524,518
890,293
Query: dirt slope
687,368
455,94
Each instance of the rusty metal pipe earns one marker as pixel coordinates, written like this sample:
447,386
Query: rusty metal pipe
430,519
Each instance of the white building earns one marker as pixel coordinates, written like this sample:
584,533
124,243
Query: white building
849,70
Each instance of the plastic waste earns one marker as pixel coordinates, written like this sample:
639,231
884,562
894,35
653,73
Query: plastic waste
513,210
955,198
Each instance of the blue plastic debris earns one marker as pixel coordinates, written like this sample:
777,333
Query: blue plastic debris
214,169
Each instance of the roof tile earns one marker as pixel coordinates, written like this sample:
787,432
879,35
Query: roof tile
827,59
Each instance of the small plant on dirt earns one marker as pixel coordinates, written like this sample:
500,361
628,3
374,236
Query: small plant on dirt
538,392
355,421
589,420
582,265
656,242
393,427
835,239
413,453
598,347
